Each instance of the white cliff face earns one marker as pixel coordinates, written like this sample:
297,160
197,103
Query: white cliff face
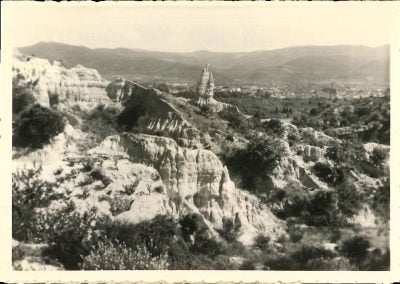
193,180
78,84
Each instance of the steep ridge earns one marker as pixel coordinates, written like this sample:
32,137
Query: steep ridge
195,180
147,111
78,84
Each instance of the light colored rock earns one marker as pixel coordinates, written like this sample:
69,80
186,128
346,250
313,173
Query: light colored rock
317,138
158,116
205,87
195,181
312,153
78,84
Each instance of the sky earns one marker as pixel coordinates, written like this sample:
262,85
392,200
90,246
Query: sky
228,28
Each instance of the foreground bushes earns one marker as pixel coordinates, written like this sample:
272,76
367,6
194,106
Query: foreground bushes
35,126
29,193
110,255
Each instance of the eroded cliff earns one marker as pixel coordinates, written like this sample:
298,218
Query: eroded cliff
193,181
78,84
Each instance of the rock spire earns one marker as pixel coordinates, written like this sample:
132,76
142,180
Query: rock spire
205,87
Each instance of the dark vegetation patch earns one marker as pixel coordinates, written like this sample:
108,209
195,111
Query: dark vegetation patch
35,126
256,162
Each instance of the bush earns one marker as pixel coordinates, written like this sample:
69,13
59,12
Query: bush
109,255
350,198
303,258
327,173
248,265
102,121
274,126
54,99
21,98
36,126
262,242
378,156
257,161
73,235
322,210
229,230
356,249
158,235
191,224
29,192
381,200
235,118
99,174
207,245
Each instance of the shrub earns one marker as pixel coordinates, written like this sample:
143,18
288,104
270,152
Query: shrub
295,235
378,156
322,209
303,258
36,126
21,98
206,110
157,235
350,198
119,204
262,242
29,192
327,173
72,234
381,200
235,119
109,255
356,249
18,253
274,126
99,174
207,245
191,224
248,265
257,161
54,99
229,230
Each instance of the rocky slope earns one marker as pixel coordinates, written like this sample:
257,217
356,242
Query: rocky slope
78,84
193,180
149,112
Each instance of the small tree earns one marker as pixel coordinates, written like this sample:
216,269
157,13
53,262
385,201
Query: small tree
36,126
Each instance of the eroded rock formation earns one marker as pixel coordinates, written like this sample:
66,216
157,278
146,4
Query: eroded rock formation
148,112
78,84
205,87
193,180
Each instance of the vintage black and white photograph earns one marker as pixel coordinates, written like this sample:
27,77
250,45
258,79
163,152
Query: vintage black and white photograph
200,137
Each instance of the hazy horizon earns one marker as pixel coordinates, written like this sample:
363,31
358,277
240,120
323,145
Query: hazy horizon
199,50
222,28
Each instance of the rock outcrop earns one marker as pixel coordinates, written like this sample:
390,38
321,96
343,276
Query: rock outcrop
312,153
78,84
147,111
205,87
193,180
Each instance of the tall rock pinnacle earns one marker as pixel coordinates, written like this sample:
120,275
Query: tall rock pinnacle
205,87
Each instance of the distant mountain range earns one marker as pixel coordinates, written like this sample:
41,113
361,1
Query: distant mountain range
298,64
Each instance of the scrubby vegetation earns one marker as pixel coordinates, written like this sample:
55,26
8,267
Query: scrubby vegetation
35,126
257,161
